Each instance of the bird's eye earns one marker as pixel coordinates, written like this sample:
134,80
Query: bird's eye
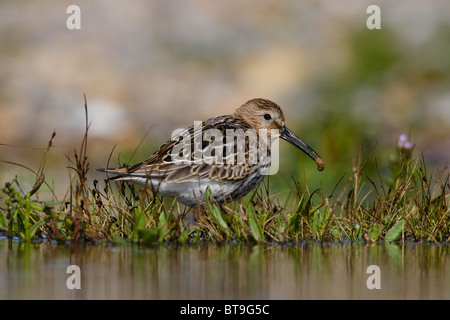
267,116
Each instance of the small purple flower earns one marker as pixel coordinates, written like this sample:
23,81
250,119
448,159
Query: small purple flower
403,142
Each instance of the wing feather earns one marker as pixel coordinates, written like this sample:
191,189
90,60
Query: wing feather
169,163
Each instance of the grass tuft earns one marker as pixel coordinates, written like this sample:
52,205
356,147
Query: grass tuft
405,202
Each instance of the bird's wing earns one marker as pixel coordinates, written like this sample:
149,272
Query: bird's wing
197,152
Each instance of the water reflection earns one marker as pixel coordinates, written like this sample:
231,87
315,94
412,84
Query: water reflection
313,271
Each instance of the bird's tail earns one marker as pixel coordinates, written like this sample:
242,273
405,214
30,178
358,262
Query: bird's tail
117,173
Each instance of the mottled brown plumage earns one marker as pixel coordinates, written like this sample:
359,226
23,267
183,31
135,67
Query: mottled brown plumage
208,156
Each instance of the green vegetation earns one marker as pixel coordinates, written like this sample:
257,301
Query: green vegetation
407,204
380,192
370,190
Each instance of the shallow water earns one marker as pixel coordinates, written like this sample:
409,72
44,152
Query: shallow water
313,271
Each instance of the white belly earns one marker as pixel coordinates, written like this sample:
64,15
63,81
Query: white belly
190,192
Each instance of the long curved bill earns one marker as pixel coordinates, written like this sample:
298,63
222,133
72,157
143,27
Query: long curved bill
290,137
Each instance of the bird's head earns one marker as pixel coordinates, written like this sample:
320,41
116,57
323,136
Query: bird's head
260,114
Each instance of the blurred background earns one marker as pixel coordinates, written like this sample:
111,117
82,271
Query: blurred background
149,67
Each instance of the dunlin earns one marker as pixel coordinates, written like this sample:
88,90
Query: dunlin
204,156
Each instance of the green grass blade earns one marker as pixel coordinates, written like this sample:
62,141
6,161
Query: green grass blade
34,228
395,233
254,225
